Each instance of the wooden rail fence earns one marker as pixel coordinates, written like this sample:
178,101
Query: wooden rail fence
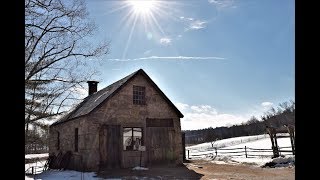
245,151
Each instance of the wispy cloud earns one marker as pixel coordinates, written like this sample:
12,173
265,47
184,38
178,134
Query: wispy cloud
222,3
170,58
186,18
266,104
204,109
204,116
182,106
165,41
195,25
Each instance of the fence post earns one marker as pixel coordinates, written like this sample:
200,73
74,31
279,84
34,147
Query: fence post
216,151
245,150
188,154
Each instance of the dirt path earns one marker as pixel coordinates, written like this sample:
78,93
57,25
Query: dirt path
225,171
204,170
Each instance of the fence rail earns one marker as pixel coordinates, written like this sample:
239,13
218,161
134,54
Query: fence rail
245,151
34,170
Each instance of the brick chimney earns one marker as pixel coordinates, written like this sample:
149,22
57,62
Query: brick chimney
92,86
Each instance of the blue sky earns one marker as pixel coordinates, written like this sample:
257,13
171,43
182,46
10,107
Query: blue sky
219,61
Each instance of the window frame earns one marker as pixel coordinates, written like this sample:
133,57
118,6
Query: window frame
132,129
139,95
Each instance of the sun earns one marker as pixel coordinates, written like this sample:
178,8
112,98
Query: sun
145,16
142,6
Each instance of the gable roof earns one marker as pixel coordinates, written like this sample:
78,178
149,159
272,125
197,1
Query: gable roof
94,100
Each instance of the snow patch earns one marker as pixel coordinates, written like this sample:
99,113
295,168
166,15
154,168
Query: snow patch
33,156
139,168
28,178
224,160
68,174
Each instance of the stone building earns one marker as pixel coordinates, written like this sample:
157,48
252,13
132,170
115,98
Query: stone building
124,124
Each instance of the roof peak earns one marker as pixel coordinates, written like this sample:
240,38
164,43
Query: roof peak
94,100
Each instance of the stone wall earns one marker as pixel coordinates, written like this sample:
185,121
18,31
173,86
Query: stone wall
87,138
118,110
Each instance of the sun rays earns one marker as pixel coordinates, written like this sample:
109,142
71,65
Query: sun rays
142,7
145,14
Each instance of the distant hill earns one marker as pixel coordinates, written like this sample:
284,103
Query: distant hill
284,115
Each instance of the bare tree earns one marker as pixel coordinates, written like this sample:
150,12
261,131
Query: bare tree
213,141
252,120
57,52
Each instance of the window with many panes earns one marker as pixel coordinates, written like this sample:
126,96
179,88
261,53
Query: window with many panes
139,95
132,138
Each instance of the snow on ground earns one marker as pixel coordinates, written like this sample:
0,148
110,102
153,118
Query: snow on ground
33,156
39,166
264,143
258,142
65,174
73,175
227,142
139,168
255,157
28,178
38,161
57,174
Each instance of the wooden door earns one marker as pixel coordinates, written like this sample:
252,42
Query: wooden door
160,145
110,146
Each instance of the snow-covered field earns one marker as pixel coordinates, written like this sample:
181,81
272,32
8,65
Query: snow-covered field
227,142
232,150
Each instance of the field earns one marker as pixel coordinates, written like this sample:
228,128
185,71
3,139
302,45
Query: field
232,150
